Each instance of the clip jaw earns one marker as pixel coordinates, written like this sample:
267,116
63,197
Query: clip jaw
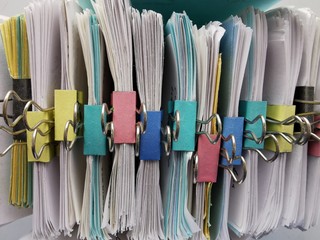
207,156
255,132
15,126
232,147
123,127
183,124
40,123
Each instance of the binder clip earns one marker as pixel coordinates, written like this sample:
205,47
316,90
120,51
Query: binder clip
67,104
39,123
280,122
255,128
206,159
95,141
228,160
183,120
123,128
150,144
14,122
232,147
304,100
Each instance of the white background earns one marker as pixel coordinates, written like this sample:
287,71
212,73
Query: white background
22,227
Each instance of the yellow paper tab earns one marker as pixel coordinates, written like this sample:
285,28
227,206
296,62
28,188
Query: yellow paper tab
64,101
33,118
280,113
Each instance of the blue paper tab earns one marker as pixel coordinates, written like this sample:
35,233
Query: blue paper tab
95,142
234,126
188,114
150,142
250,110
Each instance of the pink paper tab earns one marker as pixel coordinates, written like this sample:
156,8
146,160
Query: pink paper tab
124,116
208,159
314,146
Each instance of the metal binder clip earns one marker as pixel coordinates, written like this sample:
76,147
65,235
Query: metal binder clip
107,126
39,122
233,173
36,154
259,140
276,152
251,135
218,125
166,132
10,96
229,166
76,124
176,131
10,147
225,153
124,107
195,160
301,138
310,126
141,127
42,121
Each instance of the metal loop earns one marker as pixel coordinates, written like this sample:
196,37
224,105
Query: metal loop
219,128
306,131
10,147
68,145
76,117
302,137
233,143
24,115
176,119
9,131
143,110
276,153
76,124
110,127
195,159
138,135
288,121
233,174
315,102
224,153
251,135
104,111
36,154
9,97
167,143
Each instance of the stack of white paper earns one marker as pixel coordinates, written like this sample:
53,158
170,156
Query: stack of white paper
312,213
244,197
296,163
207,44
148,39
72,164
115,21
284,54
235,47
44,47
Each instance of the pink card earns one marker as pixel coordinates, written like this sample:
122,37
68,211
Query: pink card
208,159
124,116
